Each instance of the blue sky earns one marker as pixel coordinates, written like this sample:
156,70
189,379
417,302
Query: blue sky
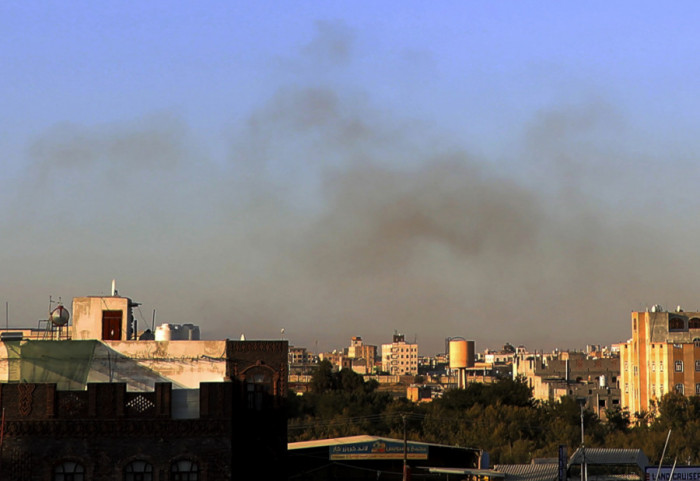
343,169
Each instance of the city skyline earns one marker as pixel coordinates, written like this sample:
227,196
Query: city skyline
504,173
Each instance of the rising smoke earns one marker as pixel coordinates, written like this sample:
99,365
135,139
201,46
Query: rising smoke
333,218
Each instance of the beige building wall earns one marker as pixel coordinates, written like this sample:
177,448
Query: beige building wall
87,322
400,358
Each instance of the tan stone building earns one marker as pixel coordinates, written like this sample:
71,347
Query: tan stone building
363,355
400,358
663,355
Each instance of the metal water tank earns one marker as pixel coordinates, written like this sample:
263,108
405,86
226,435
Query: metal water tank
176,332
60,316
190,332
470,353
458,354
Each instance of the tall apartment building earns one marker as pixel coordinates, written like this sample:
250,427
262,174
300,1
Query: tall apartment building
663,355
400,358
362,355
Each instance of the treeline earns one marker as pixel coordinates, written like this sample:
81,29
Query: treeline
501,418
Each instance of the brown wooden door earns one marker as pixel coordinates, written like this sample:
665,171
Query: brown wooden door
111,325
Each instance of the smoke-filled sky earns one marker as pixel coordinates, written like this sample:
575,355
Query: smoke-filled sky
520,172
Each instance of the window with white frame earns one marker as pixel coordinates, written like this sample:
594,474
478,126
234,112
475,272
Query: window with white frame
678,366
680,388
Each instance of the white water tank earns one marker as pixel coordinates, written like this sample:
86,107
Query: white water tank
164,333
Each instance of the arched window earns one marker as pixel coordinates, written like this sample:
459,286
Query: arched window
138,471
69,471
676,324
184,470
694,323
258,387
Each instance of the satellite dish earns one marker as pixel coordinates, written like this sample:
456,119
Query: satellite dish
282,331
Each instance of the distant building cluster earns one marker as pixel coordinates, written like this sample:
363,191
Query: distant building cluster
663,355
591,375
221,403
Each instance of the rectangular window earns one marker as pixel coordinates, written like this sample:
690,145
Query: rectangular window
697,365
653,367
697,389
661,366
627,388
679,366
661,389
626,366
680,388
653,389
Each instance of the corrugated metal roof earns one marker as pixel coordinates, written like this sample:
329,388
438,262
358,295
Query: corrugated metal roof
528,472
474,472
319,443
603,456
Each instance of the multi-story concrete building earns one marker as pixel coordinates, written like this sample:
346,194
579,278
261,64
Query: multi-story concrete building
574,374
663,355
363,355
400,357
298,356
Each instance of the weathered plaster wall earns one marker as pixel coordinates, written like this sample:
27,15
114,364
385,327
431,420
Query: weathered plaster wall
141,364
87,316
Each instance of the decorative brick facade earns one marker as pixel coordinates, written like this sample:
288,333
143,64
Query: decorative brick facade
241,424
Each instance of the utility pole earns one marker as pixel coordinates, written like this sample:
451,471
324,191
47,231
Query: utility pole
584,470
405,449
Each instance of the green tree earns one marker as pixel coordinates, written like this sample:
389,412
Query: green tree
322,378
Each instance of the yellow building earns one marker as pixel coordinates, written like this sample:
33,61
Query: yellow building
663,355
